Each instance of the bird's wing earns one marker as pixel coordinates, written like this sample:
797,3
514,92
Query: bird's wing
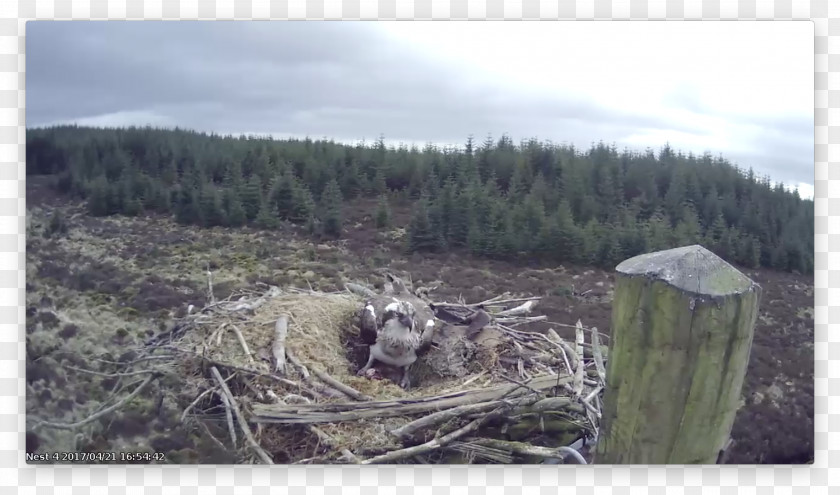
369,324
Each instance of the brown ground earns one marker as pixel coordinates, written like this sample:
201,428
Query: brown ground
108,283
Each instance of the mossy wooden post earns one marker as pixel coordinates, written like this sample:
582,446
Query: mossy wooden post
682,328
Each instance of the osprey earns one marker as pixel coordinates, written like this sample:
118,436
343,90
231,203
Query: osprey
397,329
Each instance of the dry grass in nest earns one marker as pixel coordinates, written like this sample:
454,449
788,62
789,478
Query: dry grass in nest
322,334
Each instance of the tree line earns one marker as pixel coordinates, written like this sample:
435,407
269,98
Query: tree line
495,198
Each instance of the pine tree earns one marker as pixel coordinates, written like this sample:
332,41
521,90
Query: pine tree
303,204
267,217
251,197
383,213
98,202
210,209
421,235
282,195
234,211
331,202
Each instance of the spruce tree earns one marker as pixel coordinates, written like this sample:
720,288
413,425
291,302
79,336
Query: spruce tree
267,217
383,213
421,234
331,203
234,211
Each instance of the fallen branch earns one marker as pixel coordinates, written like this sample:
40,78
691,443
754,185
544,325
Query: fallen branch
429,446
521,448
440,417
352,411
94,417
242,424
346,390
229,417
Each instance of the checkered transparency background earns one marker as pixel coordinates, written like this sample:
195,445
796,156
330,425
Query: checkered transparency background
509,480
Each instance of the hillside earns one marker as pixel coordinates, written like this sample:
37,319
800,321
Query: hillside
96,286
497,199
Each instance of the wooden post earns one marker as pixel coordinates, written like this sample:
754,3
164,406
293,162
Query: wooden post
682,328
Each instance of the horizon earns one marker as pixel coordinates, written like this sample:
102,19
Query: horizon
391,144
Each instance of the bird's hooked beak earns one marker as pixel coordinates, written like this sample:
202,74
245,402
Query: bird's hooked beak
407,321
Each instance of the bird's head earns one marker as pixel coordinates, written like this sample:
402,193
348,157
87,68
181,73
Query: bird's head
403,312
406,320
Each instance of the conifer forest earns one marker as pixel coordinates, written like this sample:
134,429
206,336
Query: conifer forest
495,199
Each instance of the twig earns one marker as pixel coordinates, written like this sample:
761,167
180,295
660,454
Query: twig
578,382
522,309
552,335
94,417
304,372
520,448
346,390
434,419
212,436
242,342
229,416
429,446
198,399
592,395
523,385
110,375
242,424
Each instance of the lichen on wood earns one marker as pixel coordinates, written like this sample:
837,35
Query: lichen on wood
682,329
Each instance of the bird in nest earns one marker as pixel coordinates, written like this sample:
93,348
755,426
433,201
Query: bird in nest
388,327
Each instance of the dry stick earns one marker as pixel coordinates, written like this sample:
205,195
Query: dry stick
522,309
350,411
110,375
502,302
592,394
578,383
94,417
429,446
434,419
242,342
304,372
280,379
242,424
322,436
198,399
520,448
346,390
597,356
552,335
279,346
229,416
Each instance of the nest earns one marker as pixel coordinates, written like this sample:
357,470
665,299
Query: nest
273,372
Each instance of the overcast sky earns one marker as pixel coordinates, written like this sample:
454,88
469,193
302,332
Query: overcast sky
743,89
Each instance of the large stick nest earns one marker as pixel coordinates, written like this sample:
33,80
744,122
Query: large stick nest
503,395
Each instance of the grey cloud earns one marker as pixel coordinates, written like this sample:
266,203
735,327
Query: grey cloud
336,79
